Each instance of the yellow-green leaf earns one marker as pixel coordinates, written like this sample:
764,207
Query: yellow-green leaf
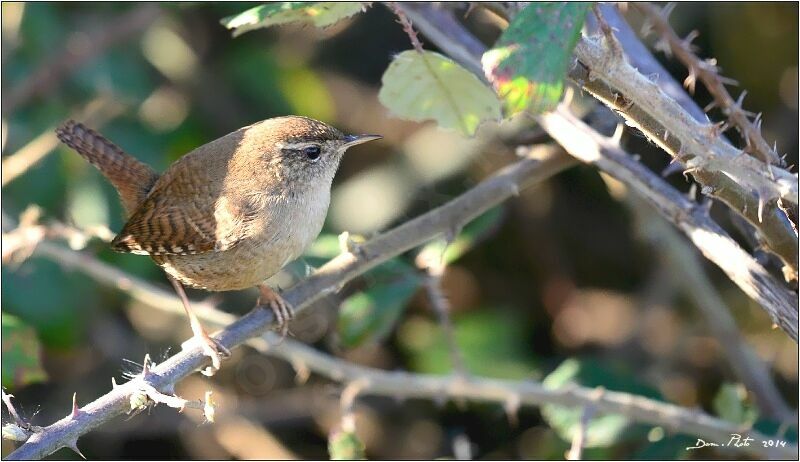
320,14
428,86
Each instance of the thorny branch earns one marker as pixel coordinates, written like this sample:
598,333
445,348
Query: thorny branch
708,72
712,240
502,185
583,142
370,381
445,32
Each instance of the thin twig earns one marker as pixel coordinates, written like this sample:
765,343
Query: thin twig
502,185
409,385
579,439
97,113
66,61
434,265
708,73
407,27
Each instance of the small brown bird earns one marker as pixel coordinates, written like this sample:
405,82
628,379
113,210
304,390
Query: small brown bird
229,214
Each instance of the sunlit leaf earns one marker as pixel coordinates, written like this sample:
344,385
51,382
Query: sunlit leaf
729,403
320,14
529,61
21,355
370,315
493,345
345,446
428,86
602,429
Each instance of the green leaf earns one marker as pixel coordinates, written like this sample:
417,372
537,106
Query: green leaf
471,235
370,315
529,61
428,86
21,355
345,446
320,14
493,344
603,429
729,403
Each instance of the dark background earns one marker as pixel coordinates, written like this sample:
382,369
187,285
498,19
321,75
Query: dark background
564,273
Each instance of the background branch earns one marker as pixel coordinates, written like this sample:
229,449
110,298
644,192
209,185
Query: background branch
66,61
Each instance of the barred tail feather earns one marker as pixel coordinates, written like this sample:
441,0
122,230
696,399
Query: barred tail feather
131,178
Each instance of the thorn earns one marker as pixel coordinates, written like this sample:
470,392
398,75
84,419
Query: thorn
710,106
75,410
671,169
619,130
647,28
693,192
728,81
74,446
760,208
666,135
667,10
687,42
511,408
690,80
113,383
146,366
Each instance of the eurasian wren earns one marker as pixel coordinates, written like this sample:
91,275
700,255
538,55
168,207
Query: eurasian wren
229,214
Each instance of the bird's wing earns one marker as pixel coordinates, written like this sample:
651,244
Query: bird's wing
186,215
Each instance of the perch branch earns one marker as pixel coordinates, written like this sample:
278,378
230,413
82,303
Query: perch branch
408,385
708,73
502,185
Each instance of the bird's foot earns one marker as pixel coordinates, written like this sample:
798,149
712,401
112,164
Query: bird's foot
211,348
283,311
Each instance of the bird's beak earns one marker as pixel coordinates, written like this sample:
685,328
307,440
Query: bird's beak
352,140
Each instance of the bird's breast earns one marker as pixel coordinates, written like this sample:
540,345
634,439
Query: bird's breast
279,234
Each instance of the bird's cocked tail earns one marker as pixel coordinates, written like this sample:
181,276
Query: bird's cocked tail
131,178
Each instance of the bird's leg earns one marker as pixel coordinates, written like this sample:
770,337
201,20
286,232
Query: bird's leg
282,310
211,347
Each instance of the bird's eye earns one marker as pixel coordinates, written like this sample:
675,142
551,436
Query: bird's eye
312,152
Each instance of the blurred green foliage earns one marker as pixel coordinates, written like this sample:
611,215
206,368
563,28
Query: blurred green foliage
514,272
21,354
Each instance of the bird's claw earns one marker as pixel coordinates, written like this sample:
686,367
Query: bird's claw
282,310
